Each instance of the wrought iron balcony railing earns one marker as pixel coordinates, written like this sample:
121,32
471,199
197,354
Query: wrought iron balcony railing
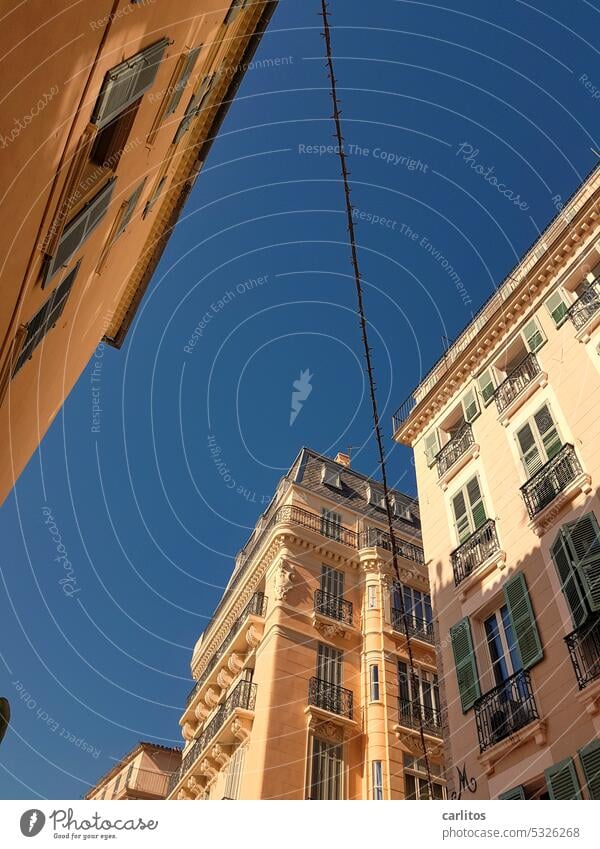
549,481
584,648
330,697
333,607
419,628
242,696
454,450
585,306
372,537
414,714
474,551
516,382
505,709
256,606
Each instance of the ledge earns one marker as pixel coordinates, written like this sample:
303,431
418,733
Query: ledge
472,453
546,517
497,560
535,731
585,333
331,628
400,730
330,725
589,698
537,382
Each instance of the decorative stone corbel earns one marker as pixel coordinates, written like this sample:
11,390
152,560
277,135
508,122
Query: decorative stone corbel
201,711
211,697
220,755
224,679
285,575
194,787
208,769
240,728
235,663
253,637
189,730
184,796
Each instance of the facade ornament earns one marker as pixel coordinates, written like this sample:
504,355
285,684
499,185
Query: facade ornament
253,636
194,788
329,630
240,728
219,755
183,795
189,730
201,711
211,697
224,679
330,731
285,575
207,768
235,663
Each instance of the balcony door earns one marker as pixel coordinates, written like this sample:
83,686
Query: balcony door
538,440
329,665
332,582
419,696
327,774
331,524
502,646
469,510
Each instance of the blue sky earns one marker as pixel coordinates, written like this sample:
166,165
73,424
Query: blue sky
259,266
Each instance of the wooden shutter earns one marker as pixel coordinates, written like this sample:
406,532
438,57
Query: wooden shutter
514,793
476,502
548,432
186,71
557,308
583,539
562,781
569,580
590,761
234,774
530,453
432,446
470,405
534,338
523,620
486,386
465,663
462,518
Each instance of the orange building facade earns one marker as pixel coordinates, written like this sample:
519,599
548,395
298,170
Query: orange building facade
301,678
506,438
142,774
110,108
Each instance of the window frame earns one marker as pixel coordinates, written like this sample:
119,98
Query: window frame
557,293
377,780
374,683
492,382
469,514
530,422
539,330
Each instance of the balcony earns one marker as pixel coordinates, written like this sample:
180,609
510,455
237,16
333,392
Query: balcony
500,713
413,715
420,629
374,537
257,606
242,698
333,607
146,784
559,480
585,312
482,547
584,649
456,454
330,698
519,385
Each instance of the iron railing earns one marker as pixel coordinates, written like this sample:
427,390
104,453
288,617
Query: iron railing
505,709
330,697
585,306
516,381
333,607
242,696
256,606
474,551
413,714
584,648
372,537
454,450
421,629
554,476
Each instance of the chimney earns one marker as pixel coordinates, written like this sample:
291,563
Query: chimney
343,459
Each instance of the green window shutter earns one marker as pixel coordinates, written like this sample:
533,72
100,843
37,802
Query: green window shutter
534,338
583,540
562,780
569,581
486,386
476,502
548,432
461,517
590,761
515,793
432,446
470,404
466,664
530,453
523,620
557,308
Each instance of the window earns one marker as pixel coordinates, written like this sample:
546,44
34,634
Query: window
533,335
329,664
470,405
375,497
45,318
327,773
127,82
504,652
377,777
557,307
417,605
372,596
330,476
465,663
129,774
374,682
236,7
562,780
576,556
187,66
81,226
332,581
589,757
331,524
154,196
116,787
235,769
129,208
469,510
432,446
538,440
400,510
419,694
486,386
415,779
195,106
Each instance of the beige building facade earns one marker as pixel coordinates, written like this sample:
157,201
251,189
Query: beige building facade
506,437
110,109
143,773
301,678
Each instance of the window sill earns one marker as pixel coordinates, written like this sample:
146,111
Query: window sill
497,560
472,453
332,726
408,736
539,381
535,731
547,517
